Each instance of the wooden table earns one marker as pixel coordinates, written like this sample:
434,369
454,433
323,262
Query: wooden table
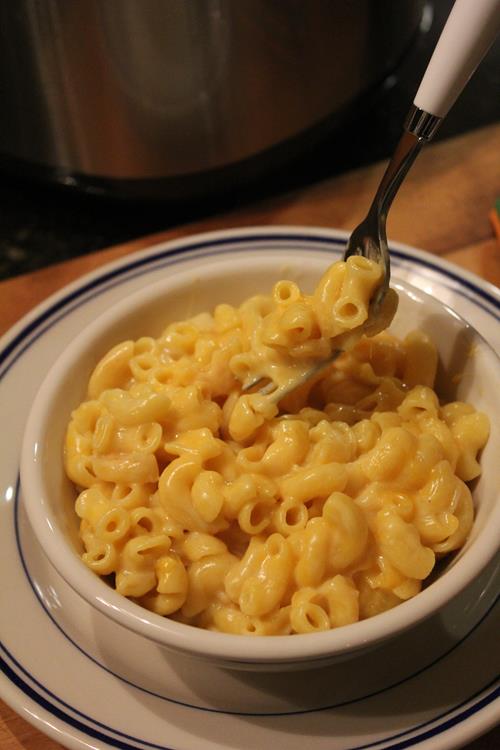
443,208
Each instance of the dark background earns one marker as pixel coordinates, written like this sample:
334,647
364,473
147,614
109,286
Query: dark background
42,224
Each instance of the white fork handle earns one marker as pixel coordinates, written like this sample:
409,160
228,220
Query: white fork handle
469,32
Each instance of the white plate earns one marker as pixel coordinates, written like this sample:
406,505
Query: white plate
84,681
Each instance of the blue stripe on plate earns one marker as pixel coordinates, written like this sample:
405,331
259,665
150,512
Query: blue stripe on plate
228,245
119,740
206,709
108,281
114,276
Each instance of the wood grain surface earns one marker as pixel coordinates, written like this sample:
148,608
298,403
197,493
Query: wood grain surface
443,208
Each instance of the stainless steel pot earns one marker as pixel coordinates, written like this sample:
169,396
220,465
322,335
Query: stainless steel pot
153,89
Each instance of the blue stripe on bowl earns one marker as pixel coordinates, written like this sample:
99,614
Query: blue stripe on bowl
64,305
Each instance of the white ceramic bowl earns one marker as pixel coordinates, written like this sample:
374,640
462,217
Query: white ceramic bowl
49,496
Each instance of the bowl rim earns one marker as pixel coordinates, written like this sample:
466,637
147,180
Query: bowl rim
228,647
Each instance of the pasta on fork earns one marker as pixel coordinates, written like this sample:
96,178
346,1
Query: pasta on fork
235,512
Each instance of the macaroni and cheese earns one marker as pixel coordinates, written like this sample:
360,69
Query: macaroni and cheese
249,513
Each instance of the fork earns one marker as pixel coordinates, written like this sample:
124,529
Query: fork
469,32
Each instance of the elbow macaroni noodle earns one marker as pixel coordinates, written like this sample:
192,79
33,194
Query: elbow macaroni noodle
223,511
